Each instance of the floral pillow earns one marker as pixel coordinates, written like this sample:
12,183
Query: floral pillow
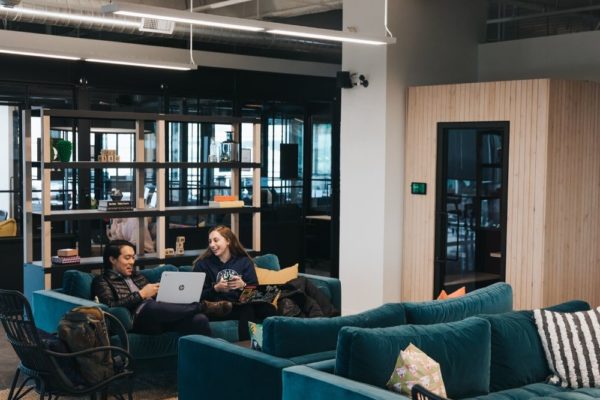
256,337
415,367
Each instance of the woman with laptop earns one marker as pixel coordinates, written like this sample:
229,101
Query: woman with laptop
122,286
228,270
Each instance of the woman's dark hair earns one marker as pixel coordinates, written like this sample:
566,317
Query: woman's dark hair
235,247
113,249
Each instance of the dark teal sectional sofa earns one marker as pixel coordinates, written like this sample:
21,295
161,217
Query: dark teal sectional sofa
228,371
488,357
151,352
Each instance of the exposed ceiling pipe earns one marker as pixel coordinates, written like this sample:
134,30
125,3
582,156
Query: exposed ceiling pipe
543,14
314,48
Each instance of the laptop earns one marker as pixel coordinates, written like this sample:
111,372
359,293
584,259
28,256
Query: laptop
180,287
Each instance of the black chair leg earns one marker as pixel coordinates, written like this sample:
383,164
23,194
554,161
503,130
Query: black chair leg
14,384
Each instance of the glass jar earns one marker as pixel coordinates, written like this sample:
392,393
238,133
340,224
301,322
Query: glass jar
229,149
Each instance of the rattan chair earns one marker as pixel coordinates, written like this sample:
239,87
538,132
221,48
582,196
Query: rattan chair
48,369
418,392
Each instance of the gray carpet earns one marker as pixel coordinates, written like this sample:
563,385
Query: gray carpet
148,386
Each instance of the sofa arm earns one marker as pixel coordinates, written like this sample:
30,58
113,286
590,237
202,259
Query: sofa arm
331,285
218,369
49,306
302,382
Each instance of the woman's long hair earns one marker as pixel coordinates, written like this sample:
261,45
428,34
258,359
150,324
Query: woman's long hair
235,247
113,249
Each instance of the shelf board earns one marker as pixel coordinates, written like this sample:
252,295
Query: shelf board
65,215
97,164
471,277
142,164
136,116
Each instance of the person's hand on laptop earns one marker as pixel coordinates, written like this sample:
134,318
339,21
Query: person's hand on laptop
150,290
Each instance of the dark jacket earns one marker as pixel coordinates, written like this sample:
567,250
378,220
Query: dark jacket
301,298
212,266
112,290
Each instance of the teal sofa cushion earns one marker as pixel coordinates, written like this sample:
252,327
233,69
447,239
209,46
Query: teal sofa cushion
461,348
153,274
517,357
267,261
77,283
538,391
289,337
493,299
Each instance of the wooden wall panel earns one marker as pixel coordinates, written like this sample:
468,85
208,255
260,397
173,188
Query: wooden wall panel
525,105
572,250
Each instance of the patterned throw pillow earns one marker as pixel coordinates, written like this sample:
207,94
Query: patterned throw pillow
415,367
571,344
256,337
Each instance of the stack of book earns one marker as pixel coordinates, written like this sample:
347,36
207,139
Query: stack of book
221,201
112,205
66,256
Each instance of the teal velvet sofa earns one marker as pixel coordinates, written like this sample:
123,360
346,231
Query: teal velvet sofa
151,352
292,341
487,357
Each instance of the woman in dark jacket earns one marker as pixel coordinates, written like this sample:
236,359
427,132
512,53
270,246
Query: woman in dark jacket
228,270
122,286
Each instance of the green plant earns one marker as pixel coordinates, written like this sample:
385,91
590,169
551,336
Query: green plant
64,148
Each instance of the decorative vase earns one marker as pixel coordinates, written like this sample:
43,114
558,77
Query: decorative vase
64,149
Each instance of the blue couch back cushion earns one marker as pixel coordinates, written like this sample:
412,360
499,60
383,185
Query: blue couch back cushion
461,348
289,337
267,261
493,299
79,284
517,357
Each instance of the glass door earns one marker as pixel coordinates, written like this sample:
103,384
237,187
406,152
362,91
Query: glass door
472,172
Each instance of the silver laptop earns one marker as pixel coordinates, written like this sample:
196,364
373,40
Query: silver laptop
180,287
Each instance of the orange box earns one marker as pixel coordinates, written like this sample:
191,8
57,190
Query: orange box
67,252
223,197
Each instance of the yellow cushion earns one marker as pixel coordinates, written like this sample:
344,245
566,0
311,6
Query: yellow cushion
269,277
8,227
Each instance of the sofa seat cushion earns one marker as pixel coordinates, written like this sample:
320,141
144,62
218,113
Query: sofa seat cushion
536,391
517,354
493,299
289,337
461,348
153,346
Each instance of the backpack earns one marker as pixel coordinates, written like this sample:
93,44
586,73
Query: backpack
84,328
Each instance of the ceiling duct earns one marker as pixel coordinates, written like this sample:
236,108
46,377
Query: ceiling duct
9,3
213,39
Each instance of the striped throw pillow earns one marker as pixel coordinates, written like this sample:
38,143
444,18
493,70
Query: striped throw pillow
571,342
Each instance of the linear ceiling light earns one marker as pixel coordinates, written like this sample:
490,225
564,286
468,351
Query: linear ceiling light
37,54
160,65
217,21
71,17
338,37
219,4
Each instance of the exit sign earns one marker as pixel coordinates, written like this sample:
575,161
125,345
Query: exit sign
418,188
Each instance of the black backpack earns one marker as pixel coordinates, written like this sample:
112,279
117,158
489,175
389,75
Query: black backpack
84,328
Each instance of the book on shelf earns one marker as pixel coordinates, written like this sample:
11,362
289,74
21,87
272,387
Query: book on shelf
67,252
225,197
114,203
115,208
66,260
226,204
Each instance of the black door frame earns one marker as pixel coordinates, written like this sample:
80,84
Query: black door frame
440,236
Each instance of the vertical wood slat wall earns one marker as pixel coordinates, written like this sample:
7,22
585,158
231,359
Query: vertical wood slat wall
553,219
572,247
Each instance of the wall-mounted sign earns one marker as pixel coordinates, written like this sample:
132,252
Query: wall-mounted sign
418,188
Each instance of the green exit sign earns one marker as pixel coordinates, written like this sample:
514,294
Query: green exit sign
418,188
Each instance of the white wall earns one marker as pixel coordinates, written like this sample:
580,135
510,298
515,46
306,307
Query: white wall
572,56
436,43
